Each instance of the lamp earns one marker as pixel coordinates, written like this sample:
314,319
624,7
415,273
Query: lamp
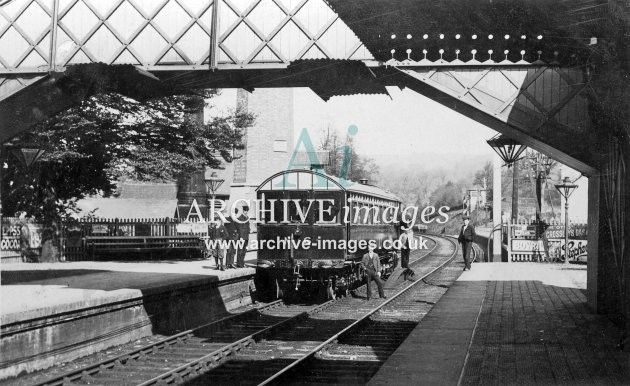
566,188
510,152
508,149
28,154
212,185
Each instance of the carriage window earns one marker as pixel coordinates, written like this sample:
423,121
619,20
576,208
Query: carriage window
376,218
385,214
374,212
364,213
361,214
389,213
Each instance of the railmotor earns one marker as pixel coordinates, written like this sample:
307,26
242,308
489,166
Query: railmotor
314,230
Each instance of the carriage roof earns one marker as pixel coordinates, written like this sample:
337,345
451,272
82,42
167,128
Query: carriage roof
304,179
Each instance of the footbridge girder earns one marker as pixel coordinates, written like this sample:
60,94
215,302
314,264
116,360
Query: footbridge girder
541,106
544,107
47,47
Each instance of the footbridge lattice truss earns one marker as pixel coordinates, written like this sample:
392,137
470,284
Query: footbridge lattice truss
535,102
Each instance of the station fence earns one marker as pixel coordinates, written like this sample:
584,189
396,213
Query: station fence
71,235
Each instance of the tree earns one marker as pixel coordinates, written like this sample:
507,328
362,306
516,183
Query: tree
484,177
450,194
360,167
110,137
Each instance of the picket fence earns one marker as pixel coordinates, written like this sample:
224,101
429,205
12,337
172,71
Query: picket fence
72,234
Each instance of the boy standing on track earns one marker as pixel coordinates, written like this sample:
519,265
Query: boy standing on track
372,264
466,239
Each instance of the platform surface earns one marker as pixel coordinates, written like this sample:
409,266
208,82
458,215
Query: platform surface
511,323
32,290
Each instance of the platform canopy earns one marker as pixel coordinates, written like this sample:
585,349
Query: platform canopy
519,67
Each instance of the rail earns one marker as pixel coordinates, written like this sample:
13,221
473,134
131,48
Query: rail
134,354
217,355
356,323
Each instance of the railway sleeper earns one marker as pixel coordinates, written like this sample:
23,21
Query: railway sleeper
202,350
174,357
370,357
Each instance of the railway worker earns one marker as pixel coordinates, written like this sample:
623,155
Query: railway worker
372,264
406,238
233,235
243,231
466,238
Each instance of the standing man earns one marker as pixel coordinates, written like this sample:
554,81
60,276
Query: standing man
233,234
219,233
406,240
25,237
372,264
466,239
243,230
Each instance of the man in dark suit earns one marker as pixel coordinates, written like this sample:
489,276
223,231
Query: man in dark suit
372,264
466,238
233,234
243,234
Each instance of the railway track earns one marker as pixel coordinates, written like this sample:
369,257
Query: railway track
257,345
211,343
355,354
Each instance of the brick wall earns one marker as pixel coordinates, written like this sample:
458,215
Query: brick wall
273,108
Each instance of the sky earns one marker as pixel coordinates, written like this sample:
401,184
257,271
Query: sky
400,126
403,123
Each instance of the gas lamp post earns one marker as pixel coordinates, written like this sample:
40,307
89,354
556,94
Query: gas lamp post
213,184
566,188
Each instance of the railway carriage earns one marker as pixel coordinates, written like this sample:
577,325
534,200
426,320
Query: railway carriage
330,265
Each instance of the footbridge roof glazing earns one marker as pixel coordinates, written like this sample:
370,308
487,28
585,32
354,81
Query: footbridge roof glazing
519,68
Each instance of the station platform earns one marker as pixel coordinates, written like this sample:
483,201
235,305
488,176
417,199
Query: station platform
53,312
511,323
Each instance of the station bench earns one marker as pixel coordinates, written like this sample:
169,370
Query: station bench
160,245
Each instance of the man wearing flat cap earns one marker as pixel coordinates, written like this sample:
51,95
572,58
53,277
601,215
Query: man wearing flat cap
466,239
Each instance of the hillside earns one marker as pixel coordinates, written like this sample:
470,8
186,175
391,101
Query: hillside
454,166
